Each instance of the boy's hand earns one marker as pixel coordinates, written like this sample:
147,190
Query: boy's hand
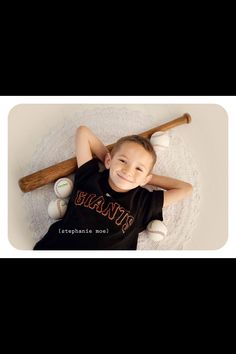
87,145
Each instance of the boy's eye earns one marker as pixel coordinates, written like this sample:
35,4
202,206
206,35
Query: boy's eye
139,169
122,160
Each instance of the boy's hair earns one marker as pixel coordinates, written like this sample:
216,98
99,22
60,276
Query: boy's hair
145,143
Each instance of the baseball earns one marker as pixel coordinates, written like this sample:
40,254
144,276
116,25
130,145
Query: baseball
156,230
57,208
160,140
63,187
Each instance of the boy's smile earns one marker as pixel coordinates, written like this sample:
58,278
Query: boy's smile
129,167
125,179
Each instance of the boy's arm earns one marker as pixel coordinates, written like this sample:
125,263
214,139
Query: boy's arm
175,189
87,145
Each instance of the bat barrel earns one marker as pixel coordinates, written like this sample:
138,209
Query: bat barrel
47,175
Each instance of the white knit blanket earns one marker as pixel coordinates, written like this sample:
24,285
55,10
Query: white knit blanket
109,124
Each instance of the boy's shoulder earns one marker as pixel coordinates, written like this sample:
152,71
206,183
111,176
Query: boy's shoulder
93,163
152,195
90,168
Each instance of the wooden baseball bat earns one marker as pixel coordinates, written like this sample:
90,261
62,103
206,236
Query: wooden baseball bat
64,168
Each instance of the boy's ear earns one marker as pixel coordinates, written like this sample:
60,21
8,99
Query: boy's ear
107,160
147,180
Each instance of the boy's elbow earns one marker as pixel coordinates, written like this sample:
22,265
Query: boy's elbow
189,189
82,131
81,128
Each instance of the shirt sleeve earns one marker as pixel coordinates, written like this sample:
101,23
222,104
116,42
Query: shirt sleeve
152,207
83,174
86,170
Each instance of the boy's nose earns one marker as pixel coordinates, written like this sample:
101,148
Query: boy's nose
127,170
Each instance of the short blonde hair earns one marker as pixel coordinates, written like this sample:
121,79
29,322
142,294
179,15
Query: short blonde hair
145,143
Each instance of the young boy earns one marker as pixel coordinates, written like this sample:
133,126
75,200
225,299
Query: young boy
108,207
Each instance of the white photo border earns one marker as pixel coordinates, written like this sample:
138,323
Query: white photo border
8,102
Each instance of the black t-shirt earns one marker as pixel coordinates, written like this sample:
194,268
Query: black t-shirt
99,218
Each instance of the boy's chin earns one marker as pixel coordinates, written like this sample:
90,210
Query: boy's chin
121,187
117,187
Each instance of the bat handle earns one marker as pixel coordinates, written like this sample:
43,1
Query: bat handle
184,119
187,118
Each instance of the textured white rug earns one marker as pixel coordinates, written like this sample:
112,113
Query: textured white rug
110,124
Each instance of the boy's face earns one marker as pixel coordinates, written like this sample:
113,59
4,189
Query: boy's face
129,167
